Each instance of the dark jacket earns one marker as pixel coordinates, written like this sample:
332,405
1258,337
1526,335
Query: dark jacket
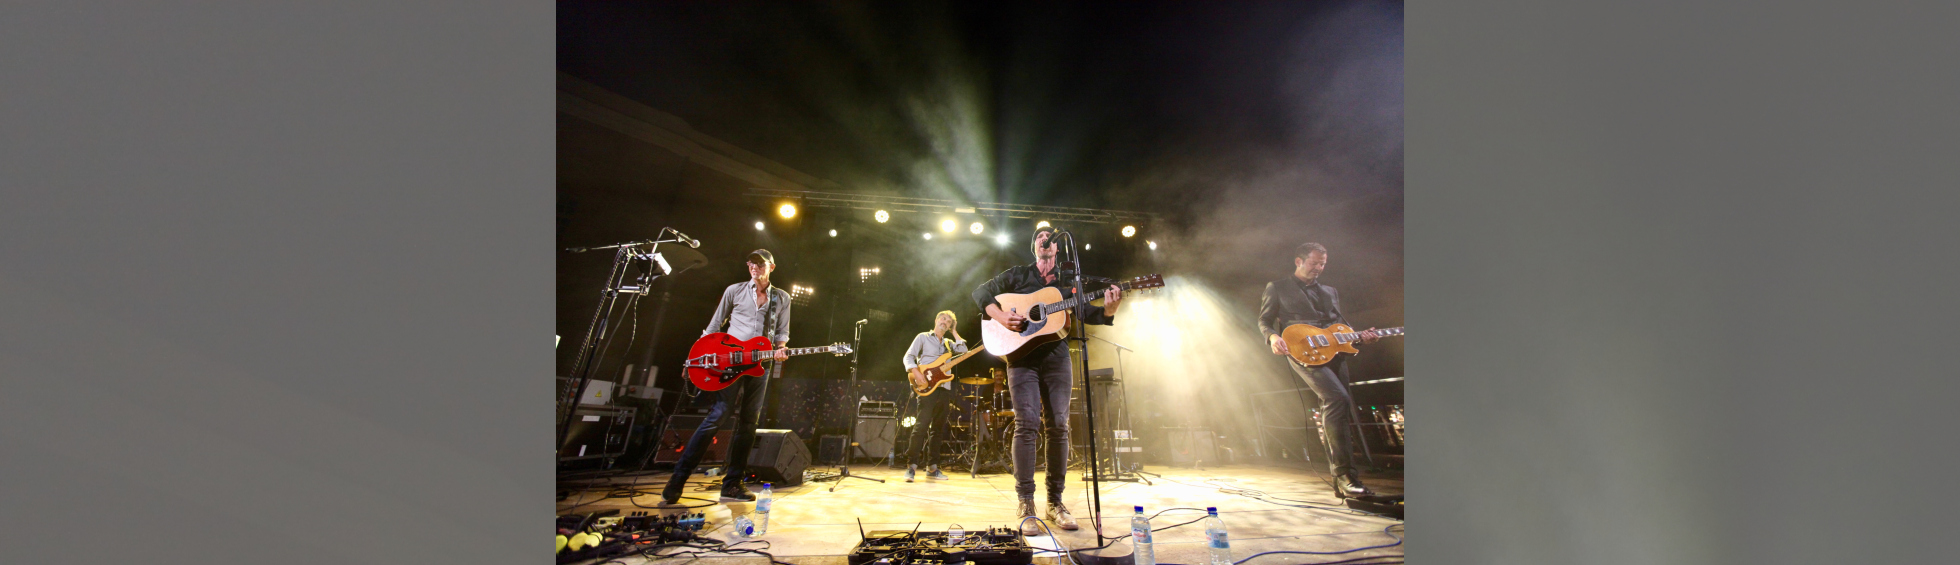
1285,303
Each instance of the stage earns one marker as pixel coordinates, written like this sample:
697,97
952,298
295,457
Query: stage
811,525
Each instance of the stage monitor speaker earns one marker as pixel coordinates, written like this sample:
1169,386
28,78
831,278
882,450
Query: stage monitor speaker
830,449
778,457
1189,445
876,436
680,428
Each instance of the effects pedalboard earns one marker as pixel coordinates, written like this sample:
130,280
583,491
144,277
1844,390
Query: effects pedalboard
991,546
605,534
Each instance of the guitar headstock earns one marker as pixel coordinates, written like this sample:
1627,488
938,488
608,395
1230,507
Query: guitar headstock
840,349
1145,282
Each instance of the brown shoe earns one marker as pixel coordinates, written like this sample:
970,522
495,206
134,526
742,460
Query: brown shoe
1029,527
1060,516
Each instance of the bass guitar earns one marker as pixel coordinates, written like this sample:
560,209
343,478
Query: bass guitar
940,370
1313,346
1048,316
717,359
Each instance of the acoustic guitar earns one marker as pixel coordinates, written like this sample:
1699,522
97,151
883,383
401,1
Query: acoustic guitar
1048,316
940,370
718,359
1313,346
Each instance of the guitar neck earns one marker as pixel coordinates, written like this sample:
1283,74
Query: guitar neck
808,350
1080,299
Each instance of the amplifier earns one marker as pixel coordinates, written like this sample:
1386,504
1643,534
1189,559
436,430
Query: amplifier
876,436
597,431
680,428
877,409
830,449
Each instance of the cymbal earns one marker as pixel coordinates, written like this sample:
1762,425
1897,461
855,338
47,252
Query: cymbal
975,380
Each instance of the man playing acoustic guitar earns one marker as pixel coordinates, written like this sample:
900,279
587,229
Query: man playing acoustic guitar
1040,380
933,428
749,308
1301,299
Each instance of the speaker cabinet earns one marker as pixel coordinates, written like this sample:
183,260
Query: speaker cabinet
876,436
778,457
597,431
830,449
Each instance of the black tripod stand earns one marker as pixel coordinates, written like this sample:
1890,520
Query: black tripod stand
844,468
598,335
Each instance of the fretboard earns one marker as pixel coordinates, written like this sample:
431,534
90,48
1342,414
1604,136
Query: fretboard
1080,299
1347,337
767,354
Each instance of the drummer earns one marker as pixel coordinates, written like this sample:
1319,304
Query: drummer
934,412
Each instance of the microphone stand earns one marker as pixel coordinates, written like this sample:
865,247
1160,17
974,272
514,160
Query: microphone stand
1123,419
1073,272
844,469
587,360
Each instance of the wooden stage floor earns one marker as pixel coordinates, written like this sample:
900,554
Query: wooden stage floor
813,526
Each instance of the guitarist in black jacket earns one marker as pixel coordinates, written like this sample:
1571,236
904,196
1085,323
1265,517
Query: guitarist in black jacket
1301,299
1039,382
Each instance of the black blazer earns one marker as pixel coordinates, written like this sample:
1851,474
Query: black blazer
1283,304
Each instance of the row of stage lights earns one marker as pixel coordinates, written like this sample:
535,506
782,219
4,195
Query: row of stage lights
949,225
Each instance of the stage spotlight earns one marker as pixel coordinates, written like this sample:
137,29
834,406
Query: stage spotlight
833,233
882,216
1086,246
976,228
1002,239
1129,231
758,226
787,210
928,235
948,225
1041,224
908,421
1153,245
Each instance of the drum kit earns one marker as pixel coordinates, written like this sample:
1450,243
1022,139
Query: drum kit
992,409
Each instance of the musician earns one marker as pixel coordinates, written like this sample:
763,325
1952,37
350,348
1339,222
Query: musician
749,309
1301,299
1039,382
933,409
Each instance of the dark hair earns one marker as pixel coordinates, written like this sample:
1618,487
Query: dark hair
1306,248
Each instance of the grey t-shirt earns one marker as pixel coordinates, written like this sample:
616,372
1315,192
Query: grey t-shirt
926,348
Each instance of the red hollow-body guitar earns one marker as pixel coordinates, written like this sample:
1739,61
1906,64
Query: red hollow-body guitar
717,359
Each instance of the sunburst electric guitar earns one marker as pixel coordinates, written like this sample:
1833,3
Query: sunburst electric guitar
1048,316
718,359
941,370
1314,347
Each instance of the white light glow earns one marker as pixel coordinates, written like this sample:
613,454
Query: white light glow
882,216
758,226
976,228
1129,231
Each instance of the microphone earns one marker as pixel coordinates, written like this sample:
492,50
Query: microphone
861,322
691,242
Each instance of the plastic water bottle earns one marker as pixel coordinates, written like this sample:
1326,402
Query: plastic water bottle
1218,544
762,503
955,534
1140,539
743,527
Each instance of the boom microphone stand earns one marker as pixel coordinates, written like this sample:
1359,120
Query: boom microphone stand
591,349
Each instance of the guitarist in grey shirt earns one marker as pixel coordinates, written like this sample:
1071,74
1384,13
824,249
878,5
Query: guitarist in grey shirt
1301,299
749,309
933,409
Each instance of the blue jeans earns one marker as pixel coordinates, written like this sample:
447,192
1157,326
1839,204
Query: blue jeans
1040,386
745,397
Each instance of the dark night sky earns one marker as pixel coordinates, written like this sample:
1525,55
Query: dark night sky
1250,127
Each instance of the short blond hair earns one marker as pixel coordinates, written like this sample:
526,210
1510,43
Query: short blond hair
946,313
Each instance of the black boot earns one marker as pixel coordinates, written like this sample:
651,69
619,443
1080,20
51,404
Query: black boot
1348,485
736,493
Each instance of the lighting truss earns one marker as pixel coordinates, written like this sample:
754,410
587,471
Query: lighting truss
896,204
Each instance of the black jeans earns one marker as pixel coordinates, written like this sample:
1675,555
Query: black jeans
1329,382
1040,385
745,397
934,423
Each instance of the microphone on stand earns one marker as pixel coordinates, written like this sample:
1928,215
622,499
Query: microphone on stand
861,322
691,242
